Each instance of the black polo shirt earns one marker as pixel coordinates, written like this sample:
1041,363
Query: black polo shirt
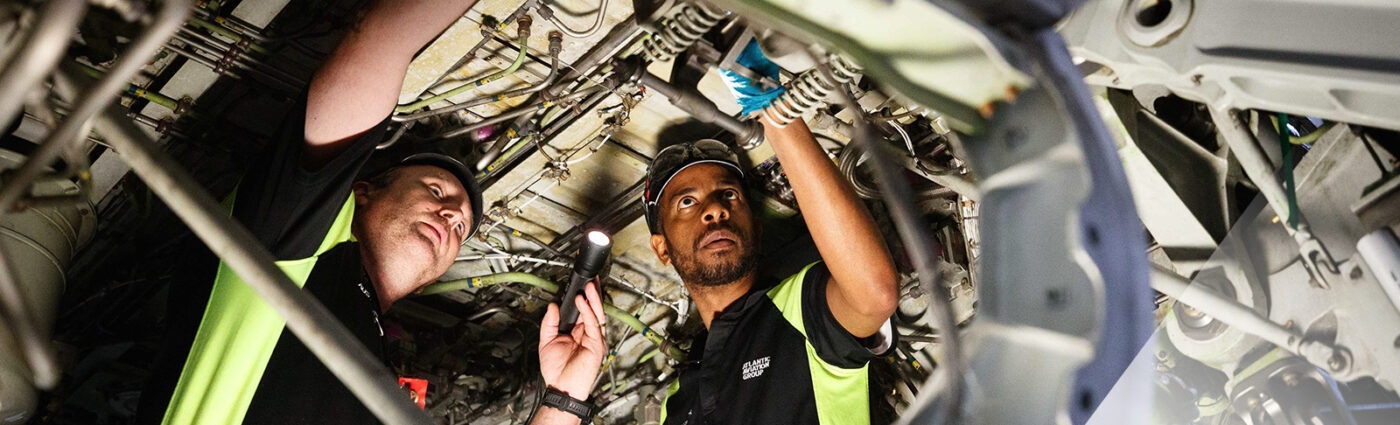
778,356
229,358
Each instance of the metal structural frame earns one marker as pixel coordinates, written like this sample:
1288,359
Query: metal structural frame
1047,274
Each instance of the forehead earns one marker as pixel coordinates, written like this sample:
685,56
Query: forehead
419,172
700,176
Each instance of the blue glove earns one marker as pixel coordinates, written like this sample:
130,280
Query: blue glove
750,95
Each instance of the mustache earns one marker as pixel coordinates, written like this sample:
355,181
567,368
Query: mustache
722,225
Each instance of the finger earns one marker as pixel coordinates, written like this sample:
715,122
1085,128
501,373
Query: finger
596,301
589,319
584,313
549,326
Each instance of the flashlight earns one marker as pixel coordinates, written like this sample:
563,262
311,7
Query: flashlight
589,261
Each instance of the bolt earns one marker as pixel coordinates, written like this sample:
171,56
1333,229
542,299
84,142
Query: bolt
1356,273
1055,297
1337,362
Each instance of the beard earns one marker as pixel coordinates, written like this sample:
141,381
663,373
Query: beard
727,269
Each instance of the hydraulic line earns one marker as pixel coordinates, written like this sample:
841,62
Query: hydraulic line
549,15
555,46
677,32
506,116
805,92
521,39
612,311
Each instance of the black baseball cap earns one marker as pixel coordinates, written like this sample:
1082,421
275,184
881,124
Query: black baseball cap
673,160
461,172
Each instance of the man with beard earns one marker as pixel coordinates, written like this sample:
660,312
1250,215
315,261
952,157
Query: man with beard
789,351
357,246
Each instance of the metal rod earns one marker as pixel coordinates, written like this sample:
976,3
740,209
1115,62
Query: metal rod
748,134
1227,311
325,336
38,54
168,19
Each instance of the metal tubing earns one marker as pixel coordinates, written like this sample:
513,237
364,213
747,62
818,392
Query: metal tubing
325,336
506,116
38,54
597,21
514,66
748,133
1225,310
548,80
167,20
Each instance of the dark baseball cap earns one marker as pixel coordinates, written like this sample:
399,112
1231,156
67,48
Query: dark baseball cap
673,160
463,174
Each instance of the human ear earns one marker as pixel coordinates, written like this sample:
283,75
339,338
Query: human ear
658,245
361,191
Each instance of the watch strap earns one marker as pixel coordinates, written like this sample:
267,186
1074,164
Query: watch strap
558,400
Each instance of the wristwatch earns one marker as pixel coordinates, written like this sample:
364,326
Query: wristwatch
558,400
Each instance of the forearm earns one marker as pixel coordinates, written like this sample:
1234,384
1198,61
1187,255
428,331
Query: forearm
359,83
863,286
550,416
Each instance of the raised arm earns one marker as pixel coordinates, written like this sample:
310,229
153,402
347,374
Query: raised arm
862,292
359,83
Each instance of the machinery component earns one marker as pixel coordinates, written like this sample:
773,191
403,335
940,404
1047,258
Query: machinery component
548,14
1381,250
1286,390
1312,58
587,264
806,92
677,32
36,247
40,51
1260,170
748,134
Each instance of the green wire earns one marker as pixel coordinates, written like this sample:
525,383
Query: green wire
1288,184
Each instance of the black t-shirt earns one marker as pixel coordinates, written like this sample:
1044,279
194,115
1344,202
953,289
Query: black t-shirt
778,356
302,217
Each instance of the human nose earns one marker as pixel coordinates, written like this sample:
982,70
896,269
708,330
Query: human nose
716,210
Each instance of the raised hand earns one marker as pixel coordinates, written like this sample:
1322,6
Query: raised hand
570,362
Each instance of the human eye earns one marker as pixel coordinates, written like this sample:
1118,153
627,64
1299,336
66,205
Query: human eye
731,195
436,190
686,202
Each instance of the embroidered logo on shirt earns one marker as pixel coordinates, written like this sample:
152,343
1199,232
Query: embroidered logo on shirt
754,368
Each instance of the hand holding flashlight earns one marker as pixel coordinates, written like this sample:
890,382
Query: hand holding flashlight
589,261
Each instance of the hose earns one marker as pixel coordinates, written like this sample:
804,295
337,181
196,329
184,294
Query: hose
514,66
529,279
679,31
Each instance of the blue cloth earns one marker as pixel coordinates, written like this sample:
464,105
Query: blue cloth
750,95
